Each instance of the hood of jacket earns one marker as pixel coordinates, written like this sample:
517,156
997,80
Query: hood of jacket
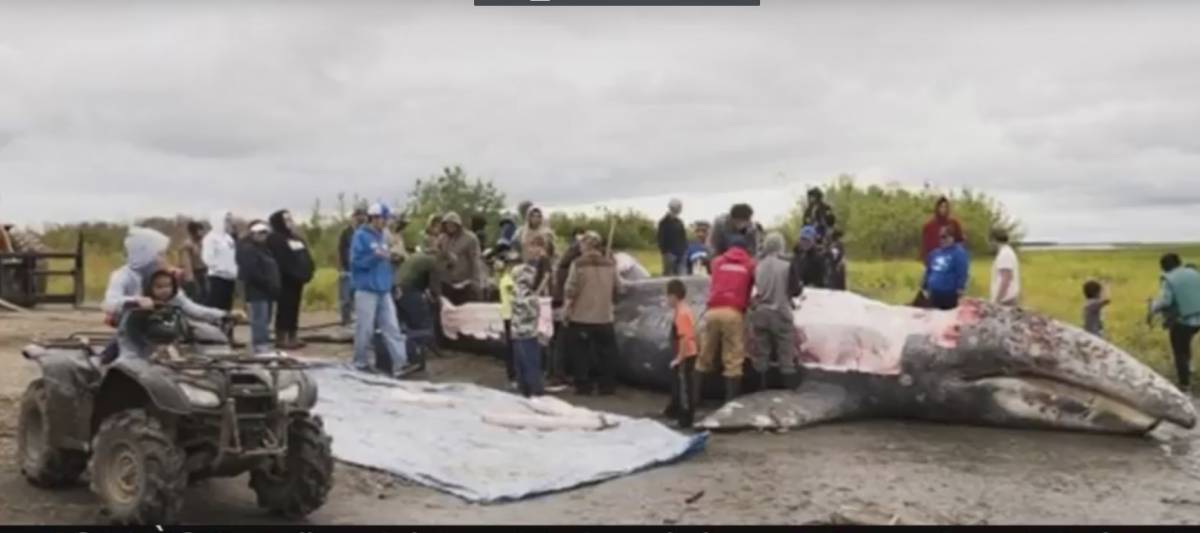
216,221
774,244
277,224
539,209
142,246
938,216
737,255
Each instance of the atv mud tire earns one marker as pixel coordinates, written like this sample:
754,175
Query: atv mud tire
137,470
303,484
42,465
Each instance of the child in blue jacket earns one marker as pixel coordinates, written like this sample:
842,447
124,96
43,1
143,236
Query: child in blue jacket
946,271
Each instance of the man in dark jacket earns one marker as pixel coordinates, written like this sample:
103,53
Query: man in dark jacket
818,214
259,274
673,241
809,265
345,288
736,223
295,271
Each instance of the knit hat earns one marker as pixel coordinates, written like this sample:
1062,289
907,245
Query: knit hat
452,218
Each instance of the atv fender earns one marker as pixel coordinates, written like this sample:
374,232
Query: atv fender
68,376
308,388
131,382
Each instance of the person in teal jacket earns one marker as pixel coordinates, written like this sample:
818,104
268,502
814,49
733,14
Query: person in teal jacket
946,272
371,274
1179,302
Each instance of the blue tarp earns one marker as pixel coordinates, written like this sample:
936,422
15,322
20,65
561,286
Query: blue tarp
451,448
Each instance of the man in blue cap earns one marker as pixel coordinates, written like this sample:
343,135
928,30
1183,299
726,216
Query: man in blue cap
808,263
372,275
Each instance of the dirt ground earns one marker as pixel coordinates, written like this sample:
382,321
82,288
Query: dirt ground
915,471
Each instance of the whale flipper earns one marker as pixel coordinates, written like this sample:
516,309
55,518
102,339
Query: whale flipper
811,403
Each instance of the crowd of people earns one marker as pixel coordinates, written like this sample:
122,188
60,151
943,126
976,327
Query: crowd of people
389,293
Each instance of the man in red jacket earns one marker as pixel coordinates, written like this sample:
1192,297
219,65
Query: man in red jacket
724,327
941,218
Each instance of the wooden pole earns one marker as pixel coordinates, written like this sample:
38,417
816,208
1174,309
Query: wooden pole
612,227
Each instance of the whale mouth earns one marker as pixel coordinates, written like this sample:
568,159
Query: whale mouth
1082,401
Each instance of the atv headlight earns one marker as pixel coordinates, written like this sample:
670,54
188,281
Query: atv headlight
200,397
289,393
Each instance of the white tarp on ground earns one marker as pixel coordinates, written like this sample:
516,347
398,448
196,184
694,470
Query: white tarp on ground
435,434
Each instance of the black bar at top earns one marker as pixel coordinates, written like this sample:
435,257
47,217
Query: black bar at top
616,2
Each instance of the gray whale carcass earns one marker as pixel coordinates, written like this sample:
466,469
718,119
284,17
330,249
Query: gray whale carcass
860,358
981,363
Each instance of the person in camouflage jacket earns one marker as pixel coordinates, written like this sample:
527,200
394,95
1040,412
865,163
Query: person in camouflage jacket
526,311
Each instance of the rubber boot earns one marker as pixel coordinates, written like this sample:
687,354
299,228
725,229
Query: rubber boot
687,416
791,380
733,388
295,342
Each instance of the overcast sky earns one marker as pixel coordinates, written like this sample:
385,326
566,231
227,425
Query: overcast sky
1081,117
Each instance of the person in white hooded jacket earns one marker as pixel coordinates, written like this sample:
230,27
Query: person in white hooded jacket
145,253
218,250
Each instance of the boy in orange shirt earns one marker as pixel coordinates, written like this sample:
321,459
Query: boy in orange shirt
685,392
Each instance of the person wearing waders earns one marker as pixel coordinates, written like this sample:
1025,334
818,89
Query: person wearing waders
685,391
371,271
1178,302
776,284
218,251
724,333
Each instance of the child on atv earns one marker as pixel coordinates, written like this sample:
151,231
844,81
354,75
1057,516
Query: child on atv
139,330
145,254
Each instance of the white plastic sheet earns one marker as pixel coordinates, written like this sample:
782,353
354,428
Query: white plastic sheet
398,427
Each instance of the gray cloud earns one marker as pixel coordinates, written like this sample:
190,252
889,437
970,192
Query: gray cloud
1065,112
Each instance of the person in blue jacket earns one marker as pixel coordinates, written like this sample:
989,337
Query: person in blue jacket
371,274
946,271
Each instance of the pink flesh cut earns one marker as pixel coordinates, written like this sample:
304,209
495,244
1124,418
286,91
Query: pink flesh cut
843,332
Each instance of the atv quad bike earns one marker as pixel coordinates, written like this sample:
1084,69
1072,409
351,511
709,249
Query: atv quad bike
145,427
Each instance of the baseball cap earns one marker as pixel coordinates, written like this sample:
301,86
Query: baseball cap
259,227
379,210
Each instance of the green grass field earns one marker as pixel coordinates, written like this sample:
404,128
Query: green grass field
1051,283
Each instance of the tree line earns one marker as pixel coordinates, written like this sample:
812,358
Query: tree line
878,222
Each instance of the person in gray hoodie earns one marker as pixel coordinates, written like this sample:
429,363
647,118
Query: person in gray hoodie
218,250
145,253
776,284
